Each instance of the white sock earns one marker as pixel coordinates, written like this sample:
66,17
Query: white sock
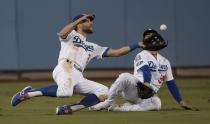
34,93
77,107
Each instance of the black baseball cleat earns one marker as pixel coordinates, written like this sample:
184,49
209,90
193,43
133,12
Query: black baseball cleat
64,110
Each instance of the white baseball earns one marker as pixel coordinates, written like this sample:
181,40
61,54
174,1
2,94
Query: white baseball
163,27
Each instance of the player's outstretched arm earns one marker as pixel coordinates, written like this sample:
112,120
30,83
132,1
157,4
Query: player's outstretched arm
69,27
123,50
176,94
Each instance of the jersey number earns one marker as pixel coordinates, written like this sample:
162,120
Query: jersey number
161,80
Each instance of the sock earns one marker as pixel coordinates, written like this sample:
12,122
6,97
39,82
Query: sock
88,101
34,93
45,91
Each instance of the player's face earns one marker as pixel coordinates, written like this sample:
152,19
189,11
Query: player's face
87,26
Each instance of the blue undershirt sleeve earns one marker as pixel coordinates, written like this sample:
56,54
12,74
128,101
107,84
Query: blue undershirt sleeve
174,90
146,73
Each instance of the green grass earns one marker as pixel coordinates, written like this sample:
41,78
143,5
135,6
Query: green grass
41,110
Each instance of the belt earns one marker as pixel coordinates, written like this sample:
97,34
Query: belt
75,65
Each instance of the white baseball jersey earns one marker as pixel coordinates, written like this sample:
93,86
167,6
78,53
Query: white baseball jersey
125,84
160,68
77,49
69,77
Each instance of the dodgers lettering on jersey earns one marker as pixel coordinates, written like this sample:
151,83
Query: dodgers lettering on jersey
77,49
79,43
160,68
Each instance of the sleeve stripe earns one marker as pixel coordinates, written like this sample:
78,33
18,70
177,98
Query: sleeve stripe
105,53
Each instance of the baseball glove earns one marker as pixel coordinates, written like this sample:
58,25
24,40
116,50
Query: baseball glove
154,42
144,91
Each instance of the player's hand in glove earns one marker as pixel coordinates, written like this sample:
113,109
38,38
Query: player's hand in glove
144,90
142,41
185,105
141,44
152,40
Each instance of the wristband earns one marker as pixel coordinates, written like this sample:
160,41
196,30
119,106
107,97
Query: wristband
134,46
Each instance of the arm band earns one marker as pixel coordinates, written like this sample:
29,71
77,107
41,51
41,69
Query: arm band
133,46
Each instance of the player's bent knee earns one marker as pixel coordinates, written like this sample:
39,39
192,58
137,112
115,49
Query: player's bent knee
64,93
103,97
103,90
125,76
102,93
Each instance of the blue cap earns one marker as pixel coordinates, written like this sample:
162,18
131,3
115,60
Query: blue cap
149,30
90,16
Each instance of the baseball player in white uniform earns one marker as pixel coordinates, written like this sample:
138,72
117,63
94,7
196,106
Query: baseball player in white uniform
140,89
75,53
